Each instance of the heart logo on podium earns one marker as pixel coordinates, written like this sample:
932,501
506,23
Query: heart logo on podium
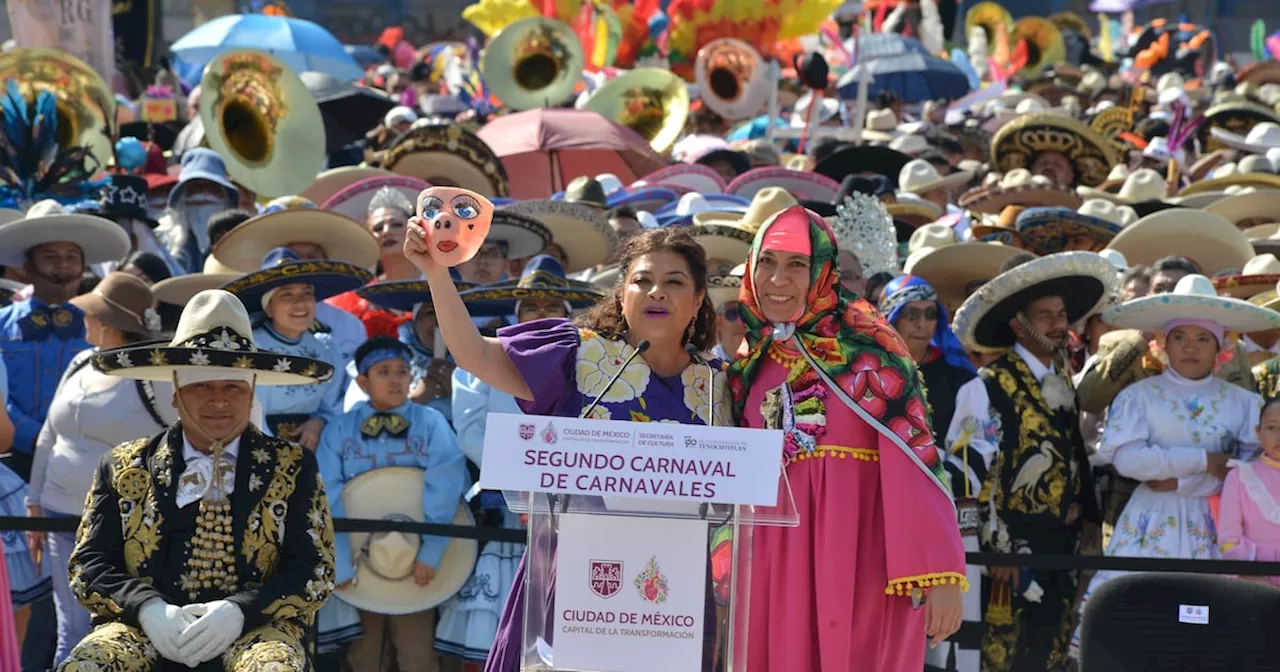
606,577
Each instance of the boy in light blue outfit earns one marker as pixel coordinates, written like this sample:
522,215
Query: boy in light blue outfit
390,431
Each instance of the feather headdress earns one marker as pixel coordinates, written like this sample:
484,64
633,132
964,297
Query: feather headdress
33,166
864,227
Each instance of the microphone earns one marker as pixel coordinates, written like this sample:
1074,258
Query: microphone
711,381
640,348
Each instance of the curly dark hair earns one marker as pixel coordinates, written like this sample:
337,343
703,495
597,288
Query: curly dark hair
606,318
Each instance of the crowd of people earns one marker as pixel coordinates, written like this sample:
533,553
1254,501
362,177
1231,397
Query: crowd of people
1041,317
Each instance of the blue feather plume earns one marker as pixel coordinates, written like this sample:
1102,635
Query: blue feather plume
32,164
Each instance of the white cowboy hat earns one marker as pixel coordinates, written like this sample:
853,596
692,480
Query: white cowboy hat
1141,185
1253,204
728,236
214,335
827,110
931,236
1259,275
880,126
1261,138
1212,243
1192,297
1115,179
384,561
911,145
100,240
179,289
920,177
1083,280
342,238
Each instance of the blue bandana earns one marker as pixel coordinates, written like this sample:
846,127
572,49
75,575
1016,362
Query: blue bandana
381,355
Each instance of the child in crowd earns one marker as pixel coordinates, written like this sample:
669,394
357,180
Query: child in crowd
1249,518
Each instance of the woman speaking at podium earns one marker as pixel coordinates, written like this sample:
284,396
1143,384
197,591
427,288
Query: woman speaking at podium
878,532
562,368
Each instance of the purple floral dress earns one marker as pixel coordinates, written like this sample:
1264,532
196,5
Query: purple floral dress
566,368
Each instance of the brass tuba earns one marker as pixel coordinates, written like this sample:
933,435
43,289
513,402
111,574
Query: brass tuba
86,109
732,78
534,62
650,101
1045,46
992,17
264,123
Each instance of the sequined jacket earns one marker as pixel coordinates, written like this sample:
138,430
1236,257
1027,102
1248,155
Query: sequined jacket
281,527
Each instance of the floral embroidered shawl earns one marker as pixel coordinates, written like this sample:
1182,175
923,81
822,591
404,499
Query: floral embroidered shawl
850,344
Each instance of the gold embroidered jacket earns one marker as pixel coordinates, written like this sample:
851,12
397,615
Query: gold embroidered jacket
134,543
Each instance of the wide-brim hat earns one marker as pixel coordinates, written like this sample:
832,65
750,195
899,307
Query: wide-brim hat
402,295
524,236
121,301
1259,275
342,238
728,234
1192,298
580,228
326,276
992,199
723,287
353,200
921,177
542,279
179,289
1212,243
1256,180
951,269
1018,142
853,160
802,185
914,213
1083,280
213,335
684,178
446,154
1048,230
100,239
1235,117
335,180
1236,208
395,493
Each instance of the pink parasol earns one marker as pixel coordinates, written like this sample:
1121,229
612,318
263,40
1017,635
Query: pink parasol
544,149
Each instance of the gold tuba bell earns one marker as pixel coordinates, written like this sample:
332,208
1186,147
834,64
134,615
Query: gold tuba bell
264,123
534,62
992,18
731,78
86,110
650,101
1045,47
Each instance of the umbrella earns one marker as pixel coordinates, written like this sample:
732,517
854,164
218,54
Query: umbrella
365,55
544,149
298,43
902,65
349,110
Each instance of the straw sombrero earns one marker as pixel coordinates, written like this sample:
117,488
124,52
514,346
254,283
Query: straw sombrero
1192,297
342,238
334,180
579,223
1019,142
803,185
100,239
1246,206
1260,138
542,279
1212,243
1082,279
1247,179
282,267
179,289
951,269
1235,117
445,154
1259,275
727,235
1052,230
353,200
384,561
402,295
213,335
1019,187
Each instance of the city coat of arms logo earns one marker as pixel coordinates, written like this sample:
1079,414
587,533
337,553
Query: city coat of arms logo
606,577
549,435
652,583
526,430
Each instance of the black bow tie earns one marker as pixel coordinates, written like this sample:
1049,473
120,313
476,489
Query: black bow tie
391,424
43,321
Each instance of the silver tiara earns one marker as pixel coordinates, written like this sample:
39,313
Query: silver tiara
863,227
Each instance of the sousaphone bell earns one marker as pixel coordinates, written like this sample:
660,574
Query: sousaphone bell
1045,46
650,101
534,62
85,108
264,123
732,78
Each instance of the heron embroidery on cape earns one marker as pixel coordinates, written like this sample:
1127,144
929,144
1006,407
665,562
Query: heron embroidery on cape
1034,469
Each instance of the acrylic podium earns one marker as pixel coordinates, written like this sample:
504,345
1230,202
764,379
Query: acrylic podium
639,538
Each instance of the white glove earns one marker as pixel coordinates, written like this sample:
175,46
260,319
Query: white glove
163,624
219,624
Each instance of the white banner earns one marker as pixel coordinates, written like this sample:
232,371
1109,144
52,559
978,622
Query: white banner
651,460
81,28
630,595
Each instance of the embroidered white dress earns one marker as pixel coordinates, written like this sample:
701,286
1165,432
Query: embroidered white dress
1162,428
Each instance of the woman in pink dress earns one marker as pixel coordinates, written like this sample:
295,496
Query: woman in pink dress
878,531
1249,517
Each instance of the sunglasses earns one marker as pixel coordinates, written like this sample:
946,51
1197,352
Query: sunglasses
913,314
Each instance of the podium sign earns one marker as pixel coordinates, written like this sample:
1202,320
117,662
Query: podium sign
630,597
610,458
